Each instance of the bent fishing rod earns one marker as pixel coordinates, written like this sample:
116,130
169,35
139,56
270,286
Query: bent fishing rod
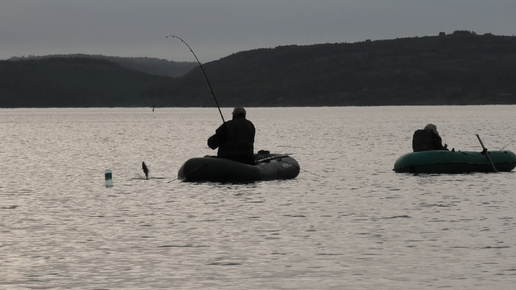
203,72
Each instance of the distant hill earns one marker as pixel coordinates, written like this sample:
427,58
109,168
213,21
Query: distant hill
458,68
446,69
74,82
154,66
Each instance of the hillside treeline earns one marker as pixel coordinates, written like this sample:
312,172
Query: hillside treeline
446,69
154,66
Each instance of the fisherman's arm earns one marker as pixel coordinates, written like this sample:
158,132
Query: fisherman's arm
219,137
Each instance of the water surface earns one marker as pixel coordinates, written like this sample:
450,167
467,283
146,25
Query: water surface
346,222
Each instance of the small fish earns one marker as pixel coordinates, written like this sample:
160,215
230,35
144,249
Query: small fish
145,170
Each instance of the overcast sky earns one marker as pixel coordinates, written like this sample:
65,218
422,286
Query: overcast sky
218,28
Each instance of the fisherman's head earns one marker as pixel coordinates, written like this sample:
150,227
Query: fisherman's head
431,127
238,112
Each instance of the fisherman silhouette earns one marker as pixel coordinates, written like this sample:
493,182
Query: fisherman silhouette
427,139
235,138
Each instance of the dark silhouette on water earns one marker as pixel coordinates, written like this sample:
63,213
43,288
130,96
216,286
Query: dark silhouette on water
235,138
427,139
145,170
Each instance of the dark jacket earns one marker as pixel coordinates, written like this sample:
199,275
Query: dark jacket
235,140
424,140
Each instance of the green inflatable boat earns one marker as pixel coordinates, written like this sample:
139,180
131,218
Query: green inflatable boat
442,161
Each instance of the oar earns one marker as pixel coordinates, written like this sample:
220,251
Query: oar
487,154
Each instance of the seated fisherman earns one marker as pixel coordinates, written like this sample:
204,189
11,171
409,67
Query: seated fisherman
235,138
427,139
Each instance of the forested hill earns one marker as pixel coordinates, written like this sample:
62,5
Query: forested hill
458,68
154,66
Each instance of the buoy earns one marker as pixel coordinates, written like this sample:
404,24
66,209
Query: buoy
109,178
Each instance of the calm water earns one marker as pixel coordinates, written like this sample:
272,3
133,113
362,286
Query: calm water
346,222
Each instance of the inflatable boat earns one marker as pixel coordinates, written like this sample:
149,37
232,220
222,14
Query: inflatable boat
215,169
443,161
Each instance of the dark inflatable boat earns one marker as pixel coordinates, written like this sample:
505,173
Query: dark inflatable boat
267,167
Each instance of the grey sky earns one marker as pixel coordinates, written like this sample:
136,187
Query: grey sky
218,28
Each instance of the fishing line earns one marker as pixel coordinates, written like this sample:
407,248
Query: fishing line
507,145
314,174
203,72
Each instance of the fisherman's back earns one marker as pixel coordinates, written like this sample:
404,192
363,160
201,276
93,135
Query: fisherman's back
239,141
424,140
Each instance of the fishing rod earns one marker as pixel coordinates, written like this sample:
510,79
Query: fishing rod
280,158
203,72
